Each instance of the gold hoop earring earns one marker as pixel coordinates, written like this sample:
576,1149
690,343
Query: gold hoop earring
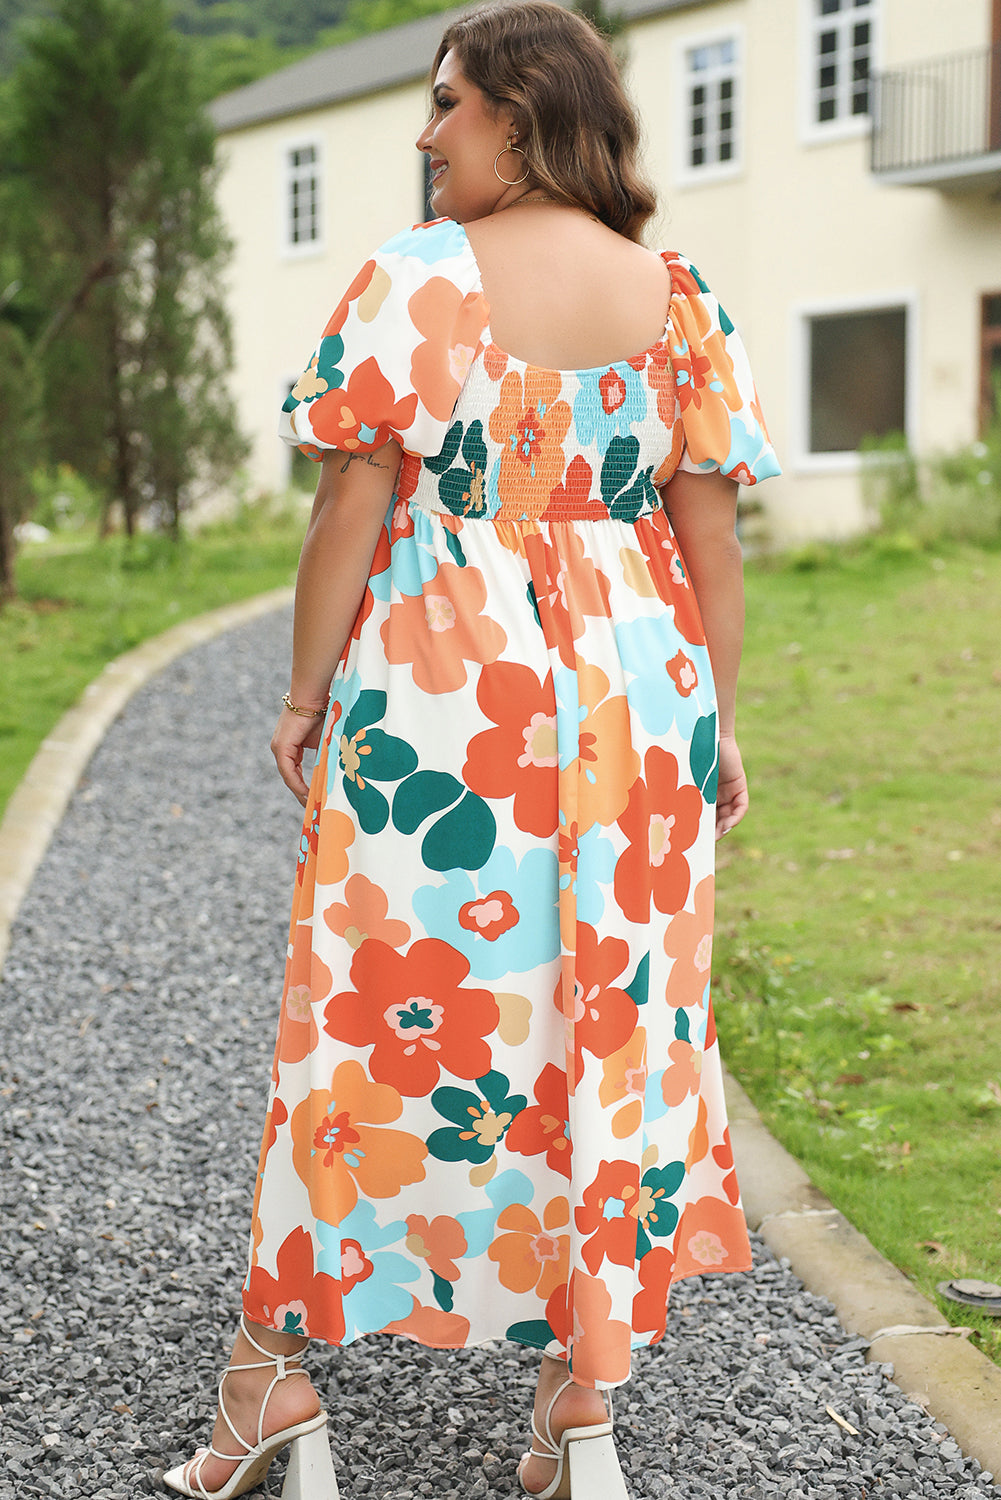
518,152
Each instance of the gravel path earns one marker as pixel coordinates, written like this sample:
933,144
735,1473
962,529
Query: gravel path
137,1013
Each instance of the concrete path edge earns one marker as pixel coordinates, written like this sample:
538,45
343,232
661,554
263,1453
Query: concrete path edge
933,1362
34,811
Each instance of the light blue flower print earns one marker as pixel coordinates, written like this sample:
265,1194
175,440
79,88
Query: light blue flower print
595,867
618,387
429,245
649,648
379,1298
480,1224
749,447
654,1105
570,715
452,912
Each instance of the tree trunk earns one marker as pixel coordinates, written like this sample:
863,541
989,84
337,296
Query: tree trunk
8,548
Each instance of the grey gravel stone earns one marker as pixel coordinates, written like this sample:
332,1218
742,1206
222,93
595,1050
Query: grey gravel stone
137,1016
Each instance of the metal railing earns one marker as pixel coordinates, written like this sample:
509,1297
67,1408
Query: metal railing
933,113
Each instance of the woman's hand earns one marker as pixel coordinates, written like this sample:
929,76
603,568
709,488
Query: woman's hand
731,797
294,734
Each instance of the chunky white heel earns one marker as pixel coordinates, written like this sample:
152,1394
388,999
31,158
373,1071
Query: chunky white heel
311,1470
587,1466
310,1474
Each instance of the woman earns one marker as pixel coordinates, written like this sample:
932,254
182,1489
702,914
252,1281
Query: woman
496,1108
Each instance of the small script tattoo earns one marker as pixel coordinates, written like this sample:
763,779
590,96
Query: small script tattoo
367,458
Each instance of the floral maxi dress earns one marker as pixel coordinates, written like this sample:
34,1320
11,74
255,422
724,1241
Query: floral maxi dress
496,1107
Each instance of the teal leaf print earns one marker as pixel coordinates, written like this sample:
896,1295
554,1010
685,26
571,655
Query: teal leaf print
638,988
624,491
449,449
703,757
423,793
463,839
455,547
618,467
536,1332
682,1030
480,1121
533,600
444,1292
369,754
657,1215
461,490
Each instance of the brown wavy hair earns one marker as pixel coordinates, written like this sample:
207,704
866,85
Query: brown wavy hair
557,74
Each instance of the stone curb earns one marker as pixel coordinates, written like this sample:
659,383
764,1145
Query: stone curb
932,1362
37,805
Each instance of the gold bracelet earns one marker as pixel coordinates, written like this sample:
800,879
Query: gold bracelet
306,713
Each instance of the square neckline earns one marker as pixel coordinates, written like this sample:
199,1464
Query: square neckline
528,364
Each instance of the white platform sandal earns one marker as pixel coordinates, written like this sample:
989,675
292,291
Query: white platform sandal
310,1474
587,1465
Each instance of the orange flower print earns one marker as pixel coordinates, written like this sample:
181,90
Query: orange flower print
578,1314
307,978
723,1157
336,835
567,586
607,1216
689,941
440,629
337,1149
441,1243
530,421
489,916
298,1299
414,1014
516,757
623,1082
661,823
684,1074
533,1256
494,361
451,325
681,670
355,1265
364,413
612,388
698,1137
571,498
712,1236
607,760
364,916
654,1273
543,1127
601,1017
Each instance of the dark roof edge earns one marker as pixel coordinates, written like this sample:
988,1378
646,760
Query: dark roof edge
368,65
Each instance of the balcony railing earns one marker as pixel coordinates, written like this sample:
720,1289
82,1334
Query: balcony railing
938,123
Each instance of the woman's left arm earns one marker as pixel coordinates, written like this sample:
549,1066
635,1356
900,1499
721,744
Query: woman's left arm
702,509
352,496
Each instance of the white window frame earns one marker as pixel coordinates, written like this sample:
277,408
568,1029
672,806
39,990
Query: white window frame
687,175
287,174
843,127
802,316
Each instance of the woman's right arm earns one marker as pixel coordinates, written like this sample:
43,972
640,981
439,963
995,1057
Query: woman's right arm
352,497
702,509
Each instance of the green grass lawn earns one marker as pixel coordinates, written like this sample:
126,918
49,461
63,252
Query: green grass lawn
859,913
85,602
857,955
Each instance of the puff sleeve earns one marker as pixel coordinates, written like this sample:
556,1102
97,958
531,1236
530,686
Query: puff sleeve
394,355
722,421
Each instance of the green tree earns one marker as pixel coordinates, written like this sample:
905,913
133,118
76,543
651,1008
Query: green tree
121,239
18,444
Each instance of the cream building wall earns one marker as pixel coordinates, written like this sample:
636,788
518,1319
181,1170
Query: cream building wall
805,227
801,227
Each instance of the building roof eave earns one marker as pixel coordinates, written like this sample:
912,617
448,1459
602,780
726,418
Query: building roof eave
368,65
